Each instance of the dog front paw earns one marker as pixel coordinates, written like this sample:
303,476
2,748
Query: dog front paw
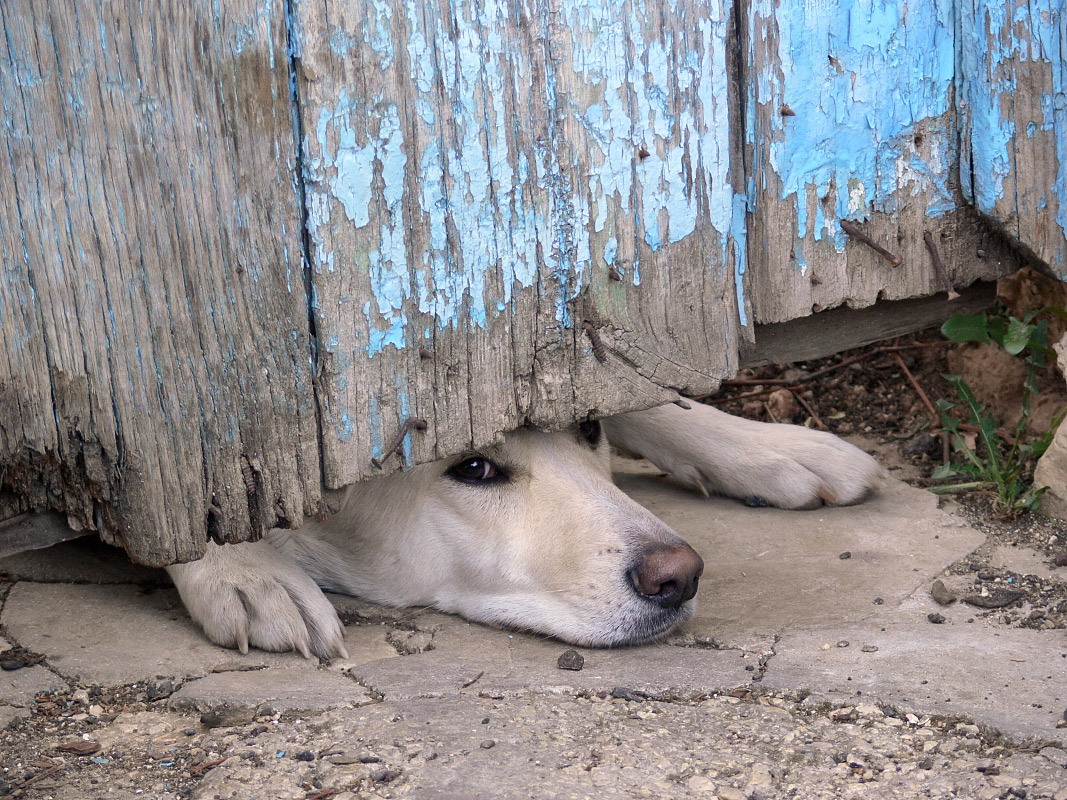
789,466
762,463
250,594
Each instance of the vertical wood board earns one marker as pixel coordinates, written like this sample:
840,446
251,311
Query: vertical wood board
474,172
1013,121
851,117
154,374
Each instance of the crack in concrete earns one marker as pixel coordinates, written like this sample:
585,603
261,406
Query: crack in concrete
376,694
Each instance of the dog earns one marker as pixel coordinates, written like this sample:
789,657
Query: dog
530,534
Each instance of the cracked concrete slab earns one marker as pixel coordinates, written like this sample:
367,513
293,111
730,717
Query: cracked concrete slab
774,582
1010,679
271,691
768,570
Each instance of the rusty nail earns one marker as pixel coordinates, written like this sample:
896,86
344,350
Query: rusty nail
787,111
411,423
248,475
614,274
598,346
939,265
854,230
425,354
642,154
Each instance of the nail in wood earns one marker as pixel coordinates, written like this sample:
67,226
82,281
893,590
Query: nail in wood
598,345
942,273
411,423
854,230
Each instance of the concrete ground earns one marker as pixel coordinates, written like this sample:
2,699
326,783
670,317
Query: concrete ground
812,625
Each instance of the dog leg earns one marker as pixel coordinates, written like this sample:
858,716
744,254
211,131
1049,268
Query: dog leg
788,466
242,594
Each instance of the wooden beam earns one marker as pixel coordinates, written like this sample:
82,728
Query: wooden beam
843,328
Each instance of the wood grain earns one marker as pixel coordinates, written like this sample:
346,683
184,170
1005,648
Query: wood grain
852,118
153,320
1013,107
474,173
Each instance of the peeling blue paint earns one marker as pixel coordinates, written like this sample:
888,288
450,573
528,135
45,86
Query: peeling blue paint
998,41
491,210
857,83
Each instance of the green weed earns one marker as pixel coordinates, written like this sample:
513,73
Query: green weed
993,463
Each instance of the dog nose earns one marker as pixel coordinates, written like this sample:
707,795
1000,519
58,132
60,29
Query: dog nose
668,573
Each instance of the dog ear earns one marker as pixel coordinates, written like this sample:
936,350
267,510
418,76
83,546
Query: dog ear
590,432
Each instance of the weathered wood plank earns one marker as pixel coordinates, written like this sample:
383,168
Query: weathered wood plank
484,180
841,329
32,531
851,117
153,319
1013,121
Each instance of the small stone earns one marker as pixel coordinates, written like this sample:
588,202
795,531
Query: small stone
869,648
922,444
227,716
344,759
384,775
304,755
488,744
998,598
571,659
846,714
368,757
1061,559
941,593
81,696
988,768
623,693
878,601
936,618
927,763
845,555
79,747
190,731
842,643
95,710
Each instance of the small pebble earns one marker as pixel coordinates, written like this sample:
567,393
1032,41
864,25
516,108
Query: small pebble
842,643
384,775
571,659
488,744
845,555
935,618
1061,559
869,648
878,601
304,755
941,593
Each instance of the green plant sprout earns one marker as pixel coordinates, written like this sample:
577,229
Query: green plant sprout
1006,467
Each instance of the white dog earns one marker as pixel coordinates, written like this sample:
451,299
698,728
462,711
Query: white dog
530,534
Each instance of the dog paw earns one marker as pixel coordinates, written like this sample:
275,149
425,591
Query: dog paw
792,467
250,594
761,463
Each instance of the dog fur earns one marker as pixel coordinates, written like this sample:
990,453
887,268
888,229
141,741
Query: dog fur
546,543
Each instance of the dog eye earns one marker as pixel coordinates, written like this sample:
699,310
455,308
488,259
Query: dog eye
476,470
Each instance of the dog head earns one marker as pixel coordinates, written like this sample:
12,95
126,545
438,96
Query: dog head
531,534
